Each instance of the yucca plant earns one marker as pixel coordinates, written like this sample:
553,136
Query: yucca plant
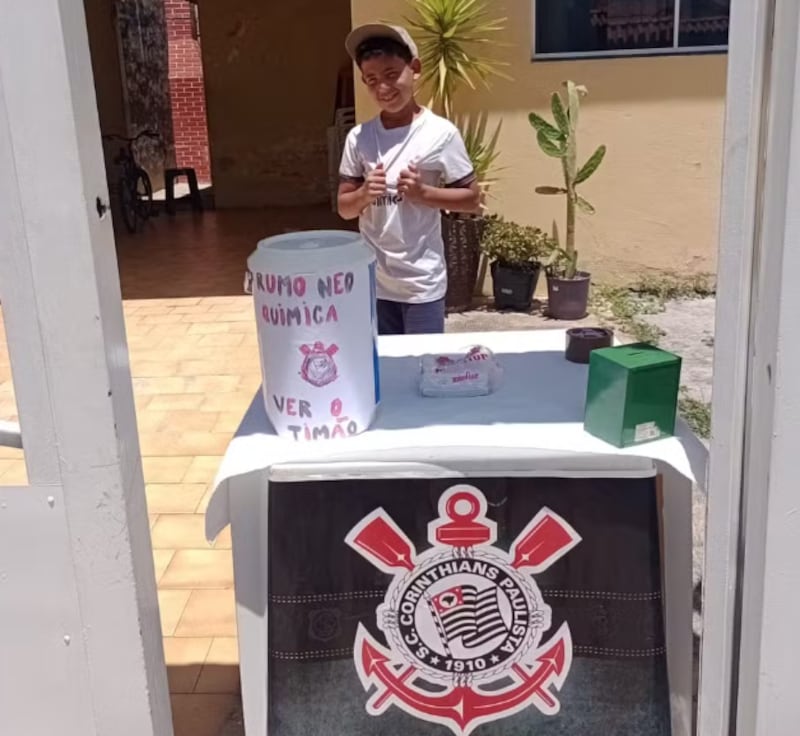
452,36
482,149
560,140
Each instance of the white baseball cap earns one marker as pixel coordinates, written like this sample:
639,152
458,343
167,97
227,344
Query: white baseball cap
379,30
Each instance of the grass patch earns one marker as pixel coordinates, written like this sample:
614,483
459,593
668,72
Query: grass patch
623,307
696,413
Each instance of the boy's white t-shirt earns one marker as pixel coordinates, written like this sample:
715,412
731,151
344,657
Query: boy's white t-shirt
407,237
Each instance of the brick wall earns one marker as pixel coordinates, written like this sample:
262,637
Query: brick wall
187,90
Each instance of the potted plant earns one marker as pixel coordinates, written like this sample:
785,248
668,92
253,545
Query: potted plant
451,35
567,287
515,253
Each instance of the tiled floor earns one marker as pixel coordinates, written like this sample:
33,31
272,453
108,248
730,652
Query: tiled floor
195,367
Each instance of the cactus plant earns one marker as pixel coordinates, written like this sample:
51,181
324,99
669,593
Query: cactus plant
559,140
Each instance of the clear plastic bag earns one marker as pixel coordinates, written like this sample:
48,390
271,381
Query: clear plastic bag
475,372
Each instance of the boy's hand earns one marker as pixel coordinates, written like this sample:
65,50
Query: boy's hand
410,184
375,183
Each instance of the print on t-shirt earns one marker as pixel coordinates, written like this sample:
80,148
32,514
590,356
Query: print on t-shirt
406,235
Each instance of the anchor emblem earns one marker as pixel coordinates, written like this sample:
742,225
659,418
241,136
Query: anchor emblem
464,620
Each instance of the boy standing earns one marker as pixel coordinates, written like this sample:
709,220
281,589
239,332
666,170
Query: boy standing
398,171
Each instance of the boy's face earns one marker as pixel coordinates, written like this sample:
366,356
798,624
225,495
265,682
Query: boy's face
390,81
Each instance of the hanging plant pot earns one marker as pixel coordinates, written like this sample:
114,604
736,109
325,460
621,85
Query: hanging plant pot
568,298
514,287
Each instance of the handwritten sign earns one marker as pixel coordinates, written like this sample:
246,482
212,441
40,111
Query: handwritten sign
317,334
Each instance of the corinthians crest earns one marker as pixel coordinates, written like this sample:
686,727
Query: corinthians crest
464,620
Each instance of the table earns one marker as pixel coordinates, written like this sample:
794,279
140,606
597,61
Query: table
532,427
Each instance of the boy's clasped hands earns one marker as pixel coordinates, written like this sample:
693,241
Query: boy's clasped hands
409,185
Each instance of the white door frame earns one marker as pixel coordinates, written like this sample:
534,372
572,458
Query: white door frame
751,598
80,635
62,306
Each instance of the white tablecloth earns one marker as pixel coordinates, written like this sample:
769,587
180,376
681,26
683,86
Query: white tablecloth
538,409
532,425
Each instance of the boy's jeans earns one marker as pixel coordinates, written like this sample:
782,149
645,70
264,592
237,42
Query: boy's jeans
400,318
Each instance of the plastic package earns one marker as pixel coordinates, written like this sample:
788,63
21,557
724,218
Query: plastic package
475,372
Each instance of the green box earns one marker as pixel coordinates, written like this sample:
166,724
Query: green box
632,396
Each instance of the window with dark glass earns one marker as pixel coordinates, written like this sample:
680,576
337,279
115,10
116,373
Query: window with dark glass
627,26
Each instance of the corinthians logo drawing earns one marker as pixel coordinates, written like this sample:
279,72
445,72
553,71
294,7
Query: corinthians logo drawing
464,620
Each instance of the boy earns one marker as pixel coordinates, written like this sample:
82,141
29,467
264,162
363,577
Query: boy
398,171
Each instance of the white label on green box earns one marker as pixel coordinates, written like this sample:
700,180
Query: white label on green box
646,431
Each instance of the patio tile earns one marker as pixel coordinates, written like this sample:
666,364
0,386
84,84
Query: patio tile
185,658
208,328
171,384
202,505
224,540
183,420
164,317
172,605
199,569
165,469
176,402
161,560
227,422
202,469
226,340
150,368
208,613
184,443
212,384
174,498
246,327
200,715
173,330
233,402
220,673
15,474
180,531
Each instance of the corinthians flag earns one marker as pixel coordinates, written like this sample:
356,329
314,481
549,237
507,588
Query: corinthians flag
469,615
527,605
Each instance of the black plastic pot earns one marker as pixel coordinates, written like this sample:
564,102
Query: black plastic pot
568,298
582,340
514,287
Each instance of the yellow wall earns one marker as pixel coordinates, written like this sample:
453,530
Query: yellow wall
270,73
657,192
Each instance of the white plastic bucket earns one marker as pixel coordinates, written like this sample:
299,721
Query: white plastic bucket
314,297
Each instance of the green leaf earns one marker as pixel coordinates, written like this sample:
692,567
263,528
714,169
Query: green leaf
550,190
591,165
548,146
542,126
585,206
560,115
